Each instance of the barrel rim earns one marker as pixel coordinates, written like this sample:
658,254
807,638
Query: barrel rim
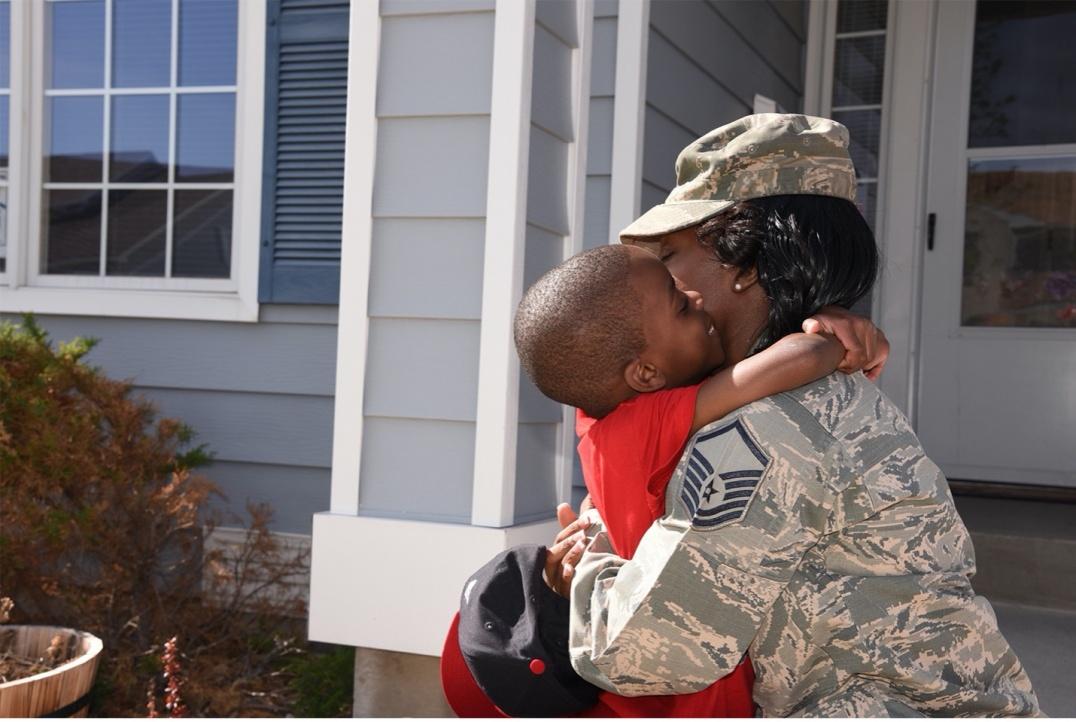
89,656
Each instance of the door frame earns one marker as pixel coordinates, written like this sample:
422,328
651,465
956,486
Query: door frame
897,305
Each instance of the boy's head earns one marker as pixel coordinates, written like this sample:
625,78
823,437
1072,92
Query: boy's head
611,323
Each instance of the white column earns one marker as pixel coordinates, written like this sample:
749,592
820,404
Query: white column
629,112
502,279
360,153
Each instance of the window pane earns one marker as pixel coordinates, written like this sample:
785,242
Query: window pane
139,143
75,140
865,129
859,70
72,236
205,149
856,15
5,45
202,234
141,43
1020,243
1022,91
76,47
136,232
4,130
207,42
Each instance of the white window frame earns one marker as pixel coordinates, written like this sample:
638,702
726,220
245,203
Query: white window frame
23,288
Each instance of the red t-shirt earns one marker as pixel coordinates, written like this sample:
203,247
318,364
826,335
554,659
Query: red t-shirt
628,458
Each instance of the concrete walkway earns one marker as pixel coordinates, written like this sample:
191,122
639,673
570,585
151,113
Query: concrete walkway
1045,641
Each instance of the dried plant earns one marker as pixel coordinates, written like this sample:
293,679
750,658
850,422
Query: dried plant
103,522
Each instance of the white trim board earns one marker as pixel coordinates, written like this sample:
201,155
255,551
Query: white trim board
497,415
905,146
629,114
395,584
360,155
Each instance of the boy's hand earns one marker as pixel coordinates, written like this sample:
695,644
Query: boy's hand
866,347
561,558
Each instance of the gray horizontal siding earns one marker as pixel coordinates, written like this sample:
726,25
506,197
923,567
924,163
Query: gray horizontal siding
707,61
551,107
264,358
547,194
427,268
536,471
422,369
298,492
551,137
422,58
600,126
417,469
259,395
391,8
427,246
432,167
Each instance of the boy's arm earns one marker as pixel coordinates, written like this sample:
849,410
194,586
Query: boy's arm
791,362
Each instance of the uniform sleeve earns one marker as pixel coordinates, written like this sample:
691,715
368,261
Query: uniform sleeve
740,515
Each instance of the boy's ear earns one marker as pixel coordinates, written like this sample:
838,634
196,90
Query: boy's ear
643,377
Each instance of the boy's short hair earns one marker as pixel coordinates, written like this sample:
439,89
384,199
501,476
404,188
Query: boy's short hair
578,326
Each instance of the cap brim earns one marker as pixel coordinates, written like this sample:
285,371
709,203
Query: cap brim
463,694
670,217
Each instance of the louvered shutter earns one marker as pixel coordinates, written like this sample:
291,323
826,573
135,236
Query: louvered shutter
306,99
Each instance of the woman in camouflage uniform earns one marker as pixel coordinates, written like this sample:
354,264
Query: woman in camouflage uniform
809,528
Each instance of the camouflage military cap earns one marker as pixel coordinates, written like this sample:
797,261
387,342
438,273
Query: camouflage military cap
760,155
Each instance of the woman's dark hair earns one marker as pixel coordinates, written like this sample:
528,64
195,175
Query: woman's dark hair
809,252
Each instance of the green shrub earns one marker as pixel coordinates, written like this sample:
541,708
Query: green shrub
323,683
102,523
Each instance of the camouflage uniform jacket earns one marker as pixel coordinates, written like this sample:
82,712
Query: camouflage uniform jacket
811,529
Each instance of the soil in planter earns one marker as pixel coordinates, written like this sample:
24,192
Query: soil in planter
61,649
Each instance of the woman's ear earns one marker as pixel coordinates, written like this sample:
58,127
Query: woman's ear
643,376
744,278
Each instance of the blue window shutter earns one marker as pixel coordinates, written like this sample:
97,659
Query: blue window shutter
303,182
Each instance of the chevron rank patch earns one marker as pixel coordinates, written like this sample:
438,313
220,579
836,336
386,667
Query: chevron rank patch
723,471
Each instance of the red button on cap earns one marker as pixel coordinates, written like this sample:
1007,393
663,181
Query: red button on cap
537,666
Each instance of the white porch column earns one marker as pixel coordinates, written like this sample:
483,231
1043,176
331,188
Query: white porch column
502,279
629,112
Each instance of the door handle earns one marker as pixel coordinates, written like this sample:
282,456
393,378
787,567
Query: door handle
932,219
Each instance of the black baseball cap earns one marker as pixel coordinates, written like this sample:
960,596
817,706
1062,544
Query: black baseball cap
506,653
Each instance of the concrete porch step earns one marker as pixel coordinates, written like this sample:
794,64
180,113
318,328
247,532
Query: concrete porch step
1025,551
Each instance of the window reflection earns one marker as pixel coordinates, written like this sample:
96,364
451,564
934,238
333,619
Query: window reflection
1020,243
76,43
1022,91
73,231
74,151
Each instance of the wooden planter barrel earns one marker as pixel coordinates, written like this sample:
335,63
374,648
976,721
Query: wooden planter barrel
65,689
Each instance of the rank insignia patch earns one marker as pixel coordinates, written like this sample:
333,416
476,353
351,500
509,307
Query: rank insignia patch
723,471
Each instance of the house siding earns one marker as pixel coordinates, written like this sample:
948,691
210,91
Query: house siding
551,136
426,258
260,395
706,62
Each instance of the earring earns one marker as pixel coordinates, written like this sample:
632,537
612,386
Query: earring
737,287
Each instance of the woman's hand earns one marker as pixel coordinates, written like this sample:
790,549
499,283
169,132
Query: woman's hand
563,555
866,347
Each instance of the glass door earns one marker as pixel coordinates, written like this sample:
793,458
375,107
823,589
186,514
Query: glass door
997,392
